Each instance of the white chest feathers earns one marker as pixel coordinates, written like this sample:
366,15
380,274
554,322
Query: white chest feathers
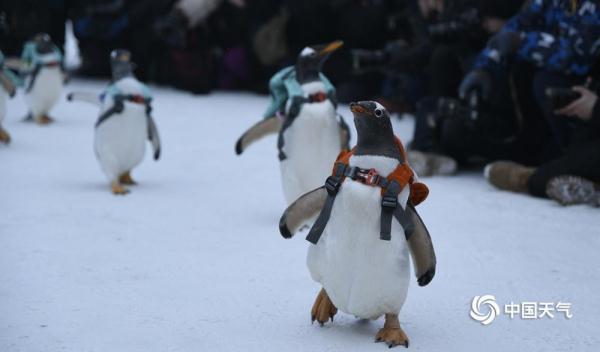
311,144
45,91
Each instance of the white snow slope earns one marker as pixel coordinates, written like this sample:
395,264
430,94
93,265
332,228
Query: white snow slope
192,259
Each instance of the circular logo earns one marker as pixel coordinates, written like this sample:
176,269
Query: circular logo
484,309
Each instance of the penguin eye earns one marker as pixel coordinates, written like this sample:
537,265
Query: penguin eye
378,112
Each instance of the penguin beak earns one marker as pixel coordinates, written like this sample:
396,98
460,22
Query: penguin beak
357,108
331,47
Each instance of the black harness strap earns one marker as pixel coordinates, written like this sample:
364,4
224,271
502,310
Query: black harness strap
389,201
119,106
34,75
332,185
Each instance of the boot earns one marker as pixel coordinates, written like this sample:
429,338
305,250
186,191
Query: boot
569,190
430,164
508,175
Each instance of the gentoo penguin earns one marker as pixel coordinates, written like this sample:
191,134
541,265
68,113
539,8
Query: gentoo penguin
44,76
124,123
303,112
359,254
8,88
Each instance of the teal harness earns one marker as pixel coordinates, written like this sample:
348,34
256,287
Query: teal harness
285,87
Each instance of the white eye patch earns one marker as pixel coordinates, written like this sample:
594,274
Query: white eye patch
307,51
379,110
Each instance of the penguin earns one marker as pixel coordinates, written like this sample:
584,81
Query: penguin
44,77
124,123
359,255
303,113
8,88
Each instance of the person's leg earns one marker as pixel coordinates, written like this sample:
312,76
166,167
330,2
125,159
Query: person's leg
582,159
561,127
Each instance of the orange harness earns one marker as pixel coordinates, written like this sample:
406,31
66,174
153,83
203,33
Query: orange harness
391,185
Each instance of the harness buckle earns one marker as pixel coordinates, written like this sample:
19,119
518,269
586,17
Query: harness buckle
332,185
370,177
389,202
317,97
138,99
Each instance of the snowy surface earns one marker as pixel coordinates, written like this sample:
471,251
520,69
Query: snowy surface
192,259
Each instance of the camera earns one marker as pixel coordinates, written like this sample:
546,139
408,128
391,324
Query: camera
468,110
559,98
368,60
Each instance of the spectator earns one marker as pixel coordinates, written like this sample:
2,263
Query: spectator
570,178
554,43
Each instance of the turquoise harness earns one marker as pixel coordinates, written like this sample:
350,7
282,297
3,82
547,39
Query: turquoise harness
34,61
284,86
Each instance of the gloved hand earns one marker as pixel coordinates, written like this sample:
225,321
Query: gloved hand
506,42
476,80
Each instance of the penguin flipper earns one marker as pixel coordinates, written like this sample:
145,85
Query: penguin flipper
259,130
344,133
8,84
85,97
421,248
15,63
153,137
302,211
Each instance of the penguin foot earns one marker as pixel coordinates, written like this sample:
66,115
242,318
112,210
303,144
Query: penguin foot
323,309
4,136
391,333
118,188
126,179
28,117
44,120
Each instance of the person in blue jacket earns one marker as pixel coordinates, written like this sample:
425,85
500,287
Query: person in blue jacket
560,38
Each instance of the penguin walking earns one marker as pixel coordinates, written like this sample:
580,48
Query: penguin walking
366,228
44,75
303,113
124,123
8,88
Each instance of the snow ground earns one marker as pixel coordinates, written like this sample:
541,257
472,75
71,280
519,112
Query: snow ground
192,259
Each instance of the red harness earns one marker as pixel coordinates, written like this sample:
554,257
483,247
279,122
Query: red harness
391,186
403,174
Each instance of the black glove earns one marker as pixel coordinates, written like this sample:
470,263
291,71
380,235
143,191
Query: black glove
506,42
476,80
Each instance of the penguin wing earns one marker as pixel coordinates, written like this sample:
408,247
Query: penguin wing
91,98
153,137
421,247
14,63
302,211
344,133
8,84
259,130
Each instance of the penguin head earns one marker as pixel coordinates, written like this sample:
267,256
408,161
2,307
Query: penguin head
120,64
311,59
43,43
375,135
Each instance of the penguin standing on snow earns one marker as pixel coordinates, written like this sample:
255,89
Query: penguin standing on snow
43,69
366,227
8,88
124,123
303,112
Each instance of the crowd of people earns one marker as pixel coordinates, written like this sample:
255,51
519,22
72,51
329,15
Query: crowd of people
512,84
